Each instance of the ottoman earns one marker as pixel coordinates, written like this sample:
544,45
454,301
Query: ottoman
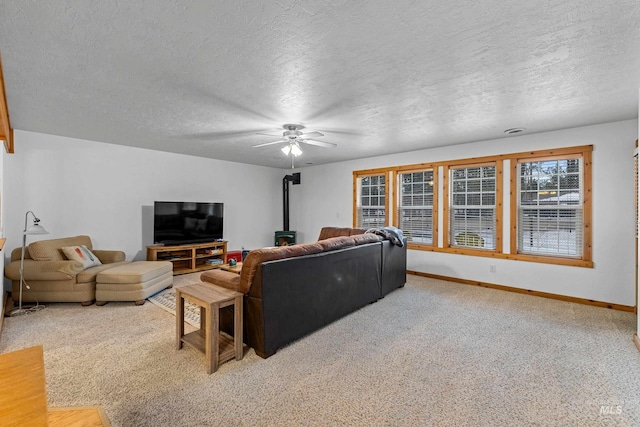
133,282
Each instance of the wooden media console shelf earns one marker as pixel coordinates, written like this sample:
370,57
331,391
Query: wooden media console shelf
190,258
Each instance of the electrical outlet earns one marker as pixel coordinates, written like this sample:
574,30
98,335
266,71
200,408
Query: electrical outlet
492,269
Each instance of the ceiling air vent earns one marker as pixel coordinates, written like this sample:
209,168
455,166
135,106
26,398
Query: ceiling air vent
514,131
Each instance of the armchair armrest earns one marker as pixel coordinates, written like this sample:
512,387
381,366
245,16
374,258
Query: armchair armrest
108,257
43,270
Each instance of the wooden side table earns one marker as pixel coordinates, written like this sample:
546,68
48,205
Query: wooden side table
217,347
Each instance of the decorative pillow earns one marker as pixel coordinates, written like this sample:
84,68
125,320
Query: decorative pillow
82,254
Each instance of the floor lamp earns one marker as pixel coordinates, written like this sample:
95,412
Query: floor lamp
35,228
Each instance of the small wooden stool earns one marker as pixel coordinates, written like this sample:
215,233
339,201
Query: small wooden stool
217,347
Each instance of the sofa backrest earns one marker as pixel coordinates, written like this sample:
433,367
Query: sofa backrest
339,242
328,232
258,256
49,250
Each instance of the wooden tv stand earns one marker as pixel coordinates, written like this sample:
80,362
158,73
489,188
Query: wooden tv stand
190,258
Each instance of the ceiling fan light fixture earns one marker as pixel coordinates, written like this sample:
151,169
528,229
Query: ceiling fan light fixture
291,149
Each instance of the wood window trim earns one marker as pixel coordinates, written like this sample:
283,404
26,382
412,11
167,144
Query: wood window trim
584,152
422,167
514,257
446,244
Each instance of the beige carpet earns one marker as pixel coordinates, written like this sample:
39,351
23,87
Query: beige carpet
166,300
433,353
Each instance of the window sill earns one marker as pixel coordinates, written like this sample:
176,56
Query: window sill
488,253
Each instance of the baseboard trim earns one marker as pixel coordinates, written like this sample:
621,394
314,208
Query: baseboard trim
636,341
620,307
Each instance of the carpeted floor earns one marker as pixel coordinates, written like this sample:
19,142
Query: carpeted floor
166,300
432,353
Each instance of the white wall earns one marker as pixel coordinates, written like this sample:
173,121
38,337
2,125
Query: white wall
107,192
325,197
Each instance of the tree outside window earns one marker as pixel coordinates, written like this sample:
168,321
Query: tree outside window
550,199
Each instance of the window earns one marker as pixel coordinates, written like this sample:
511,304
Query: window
417,192
472,206
371,200
550,207
547,208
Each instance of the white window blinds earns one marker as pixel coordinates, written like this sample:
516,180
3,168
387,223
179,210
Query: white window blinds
371,201
415,206
472,207
550,207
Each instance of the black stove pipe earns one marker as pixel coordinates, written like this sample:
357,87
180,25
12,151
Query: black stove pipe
295,178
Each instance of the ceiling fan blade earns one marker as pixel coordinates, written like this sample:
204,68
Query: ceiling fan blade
313,134
221,134
270,143
274,133
318,143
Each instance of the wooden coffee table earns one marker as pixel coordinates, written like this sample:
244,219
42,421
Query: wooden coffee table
234,269
217,347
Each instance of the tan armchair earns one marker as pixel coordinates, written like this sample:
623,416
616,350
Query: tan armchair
51,277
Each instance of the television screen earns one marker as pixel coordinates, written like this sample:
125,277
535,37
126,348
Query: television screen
177,223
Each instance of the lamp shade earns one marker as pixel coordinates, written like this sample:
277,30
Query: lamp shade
35,229
295,150
292,148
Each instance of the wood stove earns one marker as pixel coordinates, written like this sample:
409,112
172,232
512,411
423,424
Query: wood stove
286,237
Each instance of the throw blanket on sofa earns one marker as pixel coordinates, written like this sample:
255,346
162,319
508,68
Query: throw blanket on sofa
390,233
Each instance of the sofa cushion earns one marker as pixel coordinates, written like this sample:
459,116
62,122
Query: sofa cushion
361,239
109,256
81,254
89,275
43,270
135,272
334,243
327,232
301,250
49,250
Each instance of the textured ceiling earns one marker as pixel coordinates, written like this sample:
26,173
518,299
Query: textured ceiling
376,76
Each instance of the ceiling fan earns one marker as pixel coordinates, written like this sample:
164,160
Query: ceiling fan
293,136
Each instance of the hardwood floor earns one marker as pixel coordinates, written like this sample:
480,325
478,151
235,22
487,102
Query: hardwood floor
89,416
23,395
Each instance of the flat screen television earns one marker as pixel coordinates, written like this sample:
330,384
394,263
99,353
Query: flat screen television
176,223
